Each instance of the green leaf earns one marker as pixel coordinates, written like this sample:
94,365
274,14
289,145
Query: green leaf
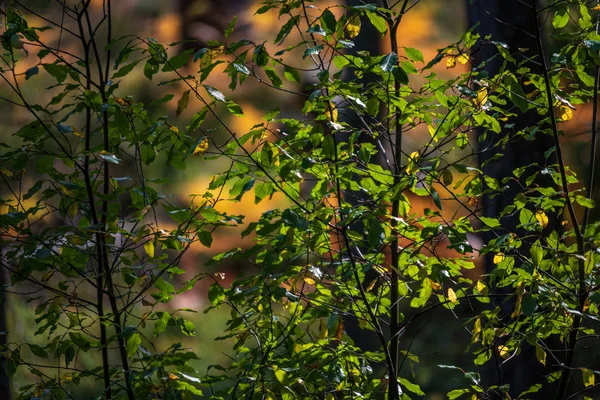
281,375
400,75
260,56
234,108
526,217
109,157
388,62
216,294
31,72
456,393
125,69
38,351
69,355
186,327
593,45
197,120
537,253
528,305
561,17
517,95
273,77
132,344
230,26
183,102
436,198
585,202
447,177
241,68
414,54
57,71
328,21
151,68
205,238
491,222
291,74
178,61
378,22
313,51
411,387
286,29
214,93
160,324
462,140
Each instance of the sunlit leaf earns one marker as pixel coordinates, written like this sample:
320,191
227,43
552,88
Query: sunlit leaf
201,147
452,295
565,114
498,258
589,379
542,218
353,26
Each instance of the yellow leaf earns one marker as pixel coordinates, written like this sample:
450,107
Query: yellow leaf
308,280
6,172
174,129
331,111
588,377
435,286
173,377
122,102
67,378
540,354
498,258
586,305
323,328
414,156
371,285
566,113
476,330
596,8
216,52
201,147
463,58
503,351
542,218
519,303
481,287
482,97
452,295
78,134
149,248
353,26
72,209
451,62
47,276
473,201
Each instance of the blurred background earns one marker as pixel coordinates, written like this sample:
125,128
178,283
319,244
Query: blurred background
429,26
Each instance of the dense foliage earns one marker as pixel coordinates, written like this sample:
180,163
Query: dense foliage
94,244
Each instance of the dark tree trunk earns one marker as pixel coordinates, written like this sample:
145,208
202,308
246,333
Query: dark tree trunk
507,21
5,391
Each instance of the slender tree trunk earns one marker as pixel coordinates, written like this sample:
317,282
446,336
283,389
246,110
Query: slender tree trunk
5,392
